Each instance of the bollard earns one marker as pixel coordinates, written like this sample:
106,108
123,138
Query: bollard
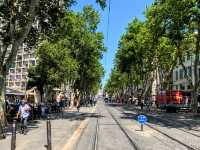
2,131
142,127
13,138
49,145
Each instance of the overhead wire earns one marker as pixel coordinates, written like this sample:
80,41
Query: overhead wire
107,32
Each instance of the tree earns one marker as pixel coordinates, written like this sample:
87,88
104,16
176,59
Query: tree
53,67
90,49
135,56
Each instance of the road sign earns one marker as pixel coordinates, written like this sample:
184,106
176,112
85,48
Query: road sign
142,119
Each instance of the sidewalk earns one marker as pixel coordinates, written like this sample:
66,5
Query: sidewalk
62,130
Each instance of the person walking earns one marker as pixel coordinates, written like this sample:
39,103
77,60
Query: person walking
77,102
58,101
24,113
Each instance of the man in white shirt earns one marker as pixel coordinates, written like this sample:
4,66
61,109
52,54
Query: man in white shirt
24,113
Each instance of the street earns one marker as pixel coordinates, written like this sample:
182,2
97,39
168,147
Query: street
112,126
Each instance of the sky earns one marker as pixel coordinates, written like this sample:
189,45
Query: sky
122,12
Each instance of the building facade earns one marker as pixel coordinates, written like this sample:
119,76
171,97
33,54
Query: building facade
17,76
180,81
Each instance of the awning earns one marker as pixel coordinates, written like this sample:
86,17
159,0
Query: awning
57,89
14,92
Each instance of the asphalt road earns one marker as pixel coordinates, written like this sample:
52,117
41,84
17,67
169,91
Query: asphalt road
115,128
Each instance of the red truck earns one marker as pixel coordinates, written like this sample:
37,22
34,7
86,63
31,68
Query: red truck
174,100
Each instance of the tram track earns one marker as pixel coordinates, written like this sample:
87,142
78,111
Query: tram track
96,136
172,138
132,143
170,123
189,147
189,125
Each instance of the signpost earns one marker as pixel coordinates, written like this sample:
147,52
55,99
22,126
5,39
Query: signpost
142,119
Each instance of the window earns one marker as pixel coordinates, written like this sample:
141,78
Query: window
19,57
24,70
18,77
176,75
197,57
188,57
32,62
26,56
23,85
184,59
181,74
32,55
185,73
24,77
17,83
12,77
19,64
18,70
188,87
177,61
182,87
12,65
189,71
25,63
12,71
26,49
11,83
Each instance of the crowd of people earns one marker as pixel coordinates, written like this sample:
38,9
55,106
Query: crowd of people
22,110
147,102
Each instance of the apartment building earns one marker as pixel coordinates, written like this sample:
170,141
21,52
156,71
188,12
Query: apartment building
179,75
17,76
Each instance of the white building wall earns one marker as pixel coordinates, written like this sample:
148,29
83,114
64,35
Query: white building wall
179,79
17,77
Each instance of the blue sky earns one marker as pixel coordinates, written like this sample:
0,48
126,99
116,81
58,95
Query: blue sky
122,12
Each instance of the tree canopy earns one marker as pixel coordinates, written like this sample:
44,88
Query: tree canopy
149,50
72,53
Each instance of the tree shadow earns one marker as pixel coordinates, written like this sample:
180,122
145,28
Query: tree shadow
180,120
35,124
74,115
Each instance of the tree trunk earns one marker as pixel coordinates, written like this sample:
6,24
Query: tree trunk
2,97
196,82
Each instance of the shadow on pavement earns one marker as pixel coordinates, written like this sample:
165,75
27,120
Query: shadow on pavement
74,115
185,120
71,116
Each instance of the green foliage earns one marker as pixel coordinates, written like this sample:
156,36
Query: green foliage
72,53
134,61
170,32
54,64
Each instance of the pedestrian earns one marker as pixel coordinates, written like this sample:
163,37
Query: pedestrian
76,100
24,113
91,101
58,102
95,101
43,111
